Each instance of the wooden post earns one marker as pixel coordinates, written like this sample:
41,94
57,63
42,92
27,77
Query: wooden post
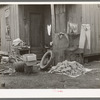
53,20
53,27
59,46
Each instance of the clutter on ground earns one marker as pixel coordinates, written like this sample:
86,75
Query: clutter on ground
26,62
19,47
69,68
16,61
7,69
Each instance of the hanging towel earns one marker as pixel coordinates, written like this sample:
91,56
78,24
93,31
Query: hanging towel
88,37
49,29
85,37
72,28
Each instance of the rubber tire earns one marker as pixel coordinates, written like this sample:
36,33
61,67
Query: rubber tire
42,66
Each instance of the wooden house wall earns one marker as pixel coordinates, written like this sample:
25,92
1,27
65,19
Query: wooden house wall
63,15
91,15
14,26
0,29
74,15
23,25
79,14
60,18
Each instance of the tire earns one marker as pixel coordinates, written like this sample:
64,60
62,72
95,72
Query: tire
46,60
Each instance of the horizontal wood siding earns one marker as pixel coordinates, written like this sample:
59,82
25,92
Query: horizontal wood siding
91,15
14,27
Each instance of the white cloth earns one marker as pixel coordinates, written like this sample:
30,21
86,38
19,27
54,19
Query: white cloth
72,28
85,37
49,29
17,41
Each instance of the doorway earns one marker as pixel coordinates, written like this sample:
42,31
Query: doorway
36,34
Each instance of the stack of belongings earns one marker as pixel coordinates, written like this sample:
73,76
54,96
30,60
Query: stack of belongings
30,61
6,67
17,45
72,69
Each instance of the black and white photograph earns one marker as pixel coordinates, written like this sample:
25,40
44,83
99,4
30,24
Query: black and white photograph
50,46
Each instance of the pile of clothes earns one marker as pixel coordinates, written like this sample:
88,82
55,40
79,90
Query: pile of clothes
72,28
19,44
70,68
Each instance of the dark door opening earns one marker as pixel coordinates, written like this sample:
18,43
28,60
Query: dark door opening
36,34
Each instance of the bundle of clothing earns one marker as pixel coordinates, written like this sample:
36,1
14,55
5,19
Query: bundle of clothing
69,68
72,28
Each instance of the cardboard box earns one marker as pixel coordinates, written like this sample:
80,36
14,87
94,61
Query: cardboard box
29,57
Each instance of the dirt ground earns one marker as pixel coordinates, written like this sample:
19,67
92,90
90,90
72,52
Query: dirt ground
44,80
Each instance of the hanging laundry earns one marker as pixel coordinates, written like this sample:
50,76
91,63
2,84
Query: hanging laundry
72,28
88,38
85,37
49,29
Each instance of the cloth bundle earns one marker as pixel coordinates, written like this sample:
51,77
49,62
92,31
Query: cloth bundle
72,69
72,28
